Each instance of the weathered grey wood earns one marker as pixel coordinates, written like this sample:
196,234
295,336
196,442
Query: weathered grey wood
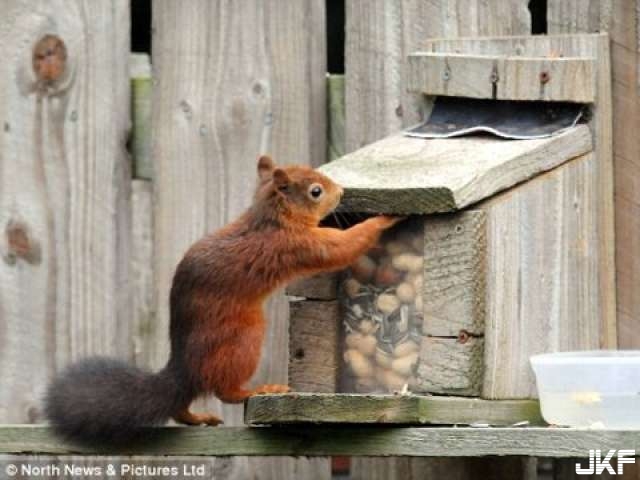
234,80
624,31
448,366
336,440
583,16
412,175
379,36
454,274
502,77
319,287
140,71
621,21
597,47
392,409
314,340
146,336
335,116
64,196
542,275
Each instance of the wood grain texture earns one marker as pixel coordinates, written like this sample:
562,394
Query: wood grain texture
379,36
447,366
543,275
621,21
580,16
392,409
314,340
502,77
597,47
402,175
318,287
234,80
64,196
145,332
454,274
336,440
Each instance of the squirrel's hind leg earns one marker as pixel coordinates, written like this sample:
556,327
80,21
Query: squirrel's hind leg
239,395
189,418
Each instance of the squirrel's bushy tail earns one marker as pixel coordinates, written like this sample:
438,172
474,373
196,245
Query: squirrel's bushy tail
106,400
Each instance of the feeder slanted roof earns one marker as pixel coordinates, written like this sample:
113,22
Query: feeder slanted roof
404,175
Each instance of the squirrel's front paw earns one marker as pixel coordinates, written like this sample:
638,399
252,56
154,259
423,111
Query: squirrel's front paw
270,388
388,221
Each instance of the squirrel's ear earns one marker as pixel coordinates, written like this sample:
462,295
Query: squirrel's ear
265,168
280,179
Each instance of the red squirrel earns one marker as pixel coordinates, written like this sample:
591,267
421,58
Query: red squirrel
217,325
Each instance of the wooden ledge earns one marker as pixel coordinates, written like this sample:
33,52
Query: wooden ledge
326,441
570,79
390,409
404,175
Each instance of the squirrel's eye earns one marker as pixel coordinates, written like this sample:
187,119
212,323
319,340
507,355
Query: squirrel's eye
316,191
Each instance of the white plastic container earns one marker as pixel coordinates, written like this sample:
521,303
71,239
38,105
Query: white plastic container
597,389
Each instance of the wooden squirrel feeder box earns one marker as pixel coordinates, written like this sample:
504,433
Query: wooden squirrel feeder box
507,252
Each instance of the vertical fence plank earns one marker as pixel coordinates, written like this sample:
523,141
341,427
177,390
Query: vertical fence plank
379,35
233,80
624,29
64,194
143,318
621,21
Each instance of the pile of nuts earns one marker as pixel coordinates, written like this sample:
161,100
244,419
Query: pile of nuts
382,311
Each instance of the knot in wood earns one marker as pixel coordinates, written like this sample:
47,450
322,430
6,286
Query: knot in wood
49,59
20,244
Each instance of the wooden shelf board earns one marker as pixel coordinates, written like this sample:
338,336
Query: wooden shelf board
310,440
389,409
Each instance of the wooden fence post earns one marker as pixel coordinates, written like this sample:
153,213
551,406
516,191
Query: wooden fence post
233,80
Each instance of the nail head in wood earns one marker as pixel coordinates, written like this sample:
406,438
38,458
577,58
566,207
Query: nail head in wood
544,77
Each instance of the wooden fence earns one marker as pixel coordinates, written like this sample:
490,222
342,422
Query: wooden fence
89,245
